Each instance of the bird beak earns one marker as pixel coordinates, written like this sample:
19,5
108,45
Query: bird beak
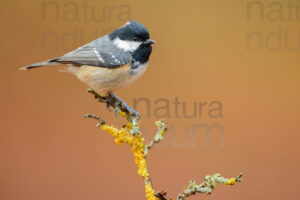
149,41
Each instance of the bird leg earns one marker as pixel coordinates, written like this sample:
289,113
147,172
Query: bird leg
122,106
118,104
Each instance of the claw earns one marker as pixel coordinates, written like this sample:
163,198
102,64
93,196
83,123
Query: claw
108,107
135,113
116,111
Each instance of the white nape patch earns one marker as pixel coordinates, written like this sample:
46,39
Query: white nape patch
128,23
98,55
126,45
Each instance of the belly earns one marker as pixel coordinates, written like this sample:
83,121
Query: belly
104,80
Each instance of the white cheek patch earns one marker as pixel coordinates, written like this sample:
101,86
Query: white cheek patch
126,45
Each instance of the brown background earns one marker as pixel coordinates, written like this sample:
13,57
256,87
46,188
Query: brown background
48,151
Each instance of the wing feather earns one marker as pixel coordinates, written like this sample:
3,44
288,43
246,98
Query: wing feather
97,53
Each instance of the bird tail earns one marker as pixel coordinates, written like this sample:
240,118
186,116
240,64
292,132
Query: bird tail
41,64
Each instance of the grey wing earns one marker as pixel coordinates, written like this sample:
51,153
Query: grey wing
96,54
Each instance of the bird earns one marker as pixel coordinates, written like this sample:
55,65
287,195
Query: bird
109,62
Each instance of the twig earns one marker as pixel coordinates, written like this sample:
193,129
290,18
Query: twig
93,116
159,136
207,186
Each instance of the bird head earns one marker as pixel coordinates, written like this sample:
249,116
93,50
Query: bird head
131,36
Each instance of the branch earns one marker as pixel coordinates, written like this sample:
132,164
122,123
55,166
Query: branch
131,135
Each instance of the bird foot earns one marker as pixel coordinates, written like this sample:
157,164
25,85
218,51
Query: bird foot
118,104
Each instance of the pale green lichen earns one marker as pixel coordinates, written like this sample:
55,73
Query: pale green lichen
159,136
207,186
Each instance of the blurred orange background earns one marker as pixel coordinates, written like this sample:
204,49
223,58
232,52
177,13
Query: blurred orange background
241,54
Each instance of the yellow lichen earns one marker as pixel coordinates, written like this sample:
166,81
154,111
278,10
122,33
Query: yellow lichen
122,114
137,147
230,181
150,192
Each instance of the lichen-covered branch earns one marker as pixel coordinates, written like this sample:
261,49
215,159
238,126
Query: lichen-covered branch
159,136
136,142
93,116
207,186
131,135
